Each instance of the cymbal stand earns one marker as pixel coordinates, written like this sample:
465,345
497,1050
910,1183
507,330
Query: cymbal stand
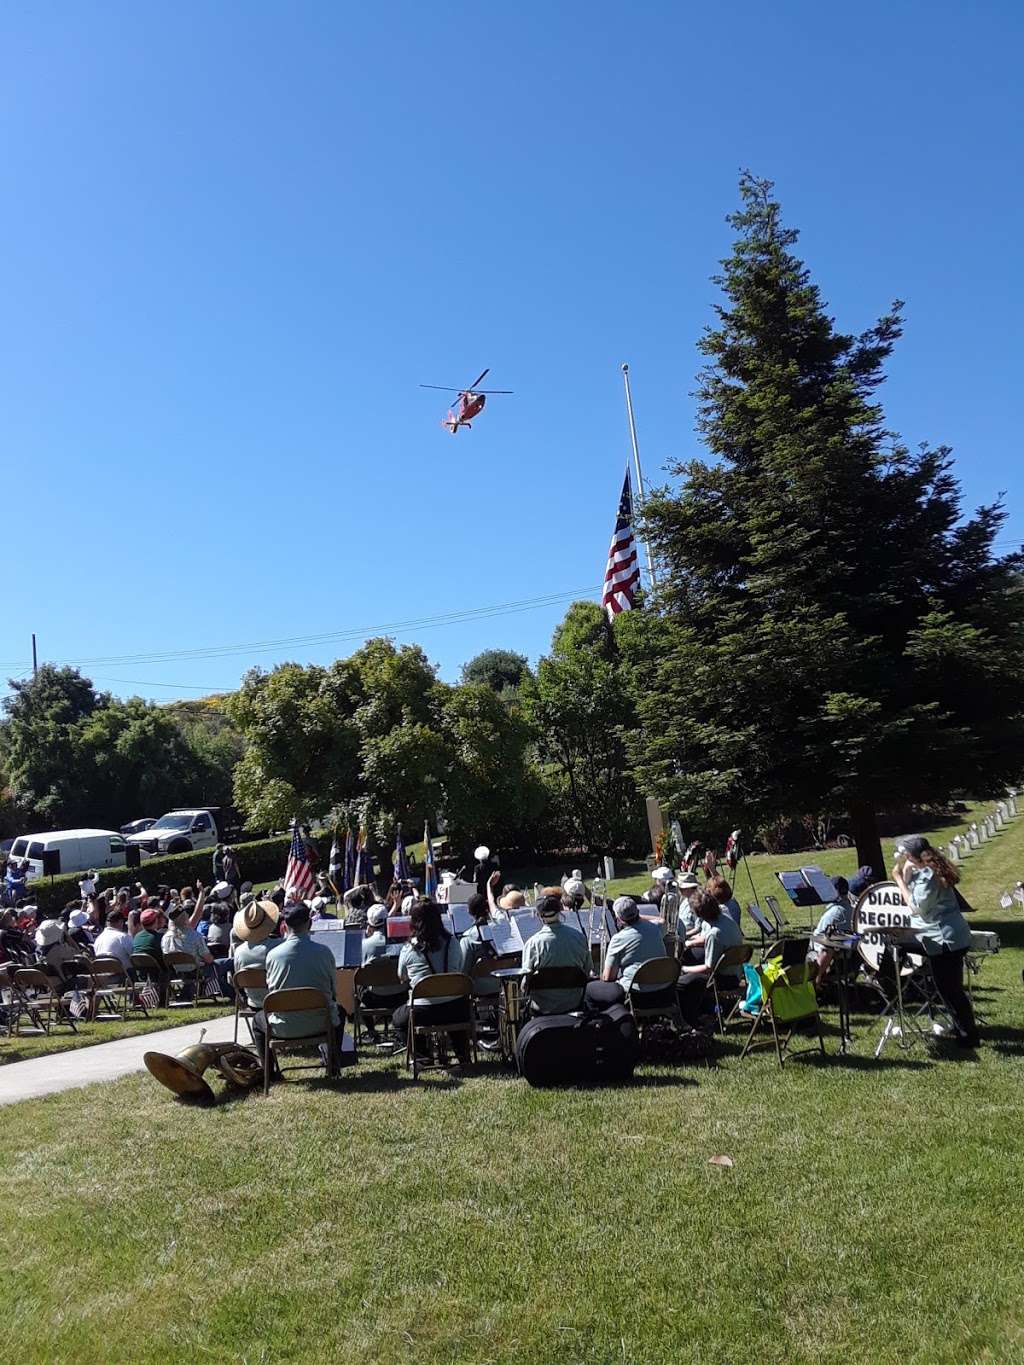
900,1025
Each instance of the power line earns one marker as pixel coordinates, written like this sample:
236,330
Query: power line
357,632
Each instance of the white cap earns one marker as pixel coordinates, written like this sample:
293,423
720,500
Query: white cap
574,887
77,918
377,915
661,874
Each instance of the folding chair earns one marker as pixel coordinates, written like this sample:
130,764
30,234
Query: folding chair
663,973
556,979
11,1001
486,1004
111,983
40,1001
291,1001
184,970
382,971
147,969
247,978
789,1010
731,995
441,984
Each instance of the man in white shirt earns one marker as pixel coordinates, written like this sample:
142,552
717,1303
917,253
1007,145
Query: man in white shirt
87,885
113,941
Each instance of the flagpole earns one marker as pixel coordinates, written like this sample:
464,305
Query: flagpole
639,472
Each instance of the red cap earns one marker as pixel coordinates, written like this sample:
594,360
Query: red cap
148,918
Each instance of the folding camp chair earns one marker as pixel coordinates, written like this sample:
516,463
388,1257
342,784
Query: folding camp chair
381,972
12,1004
290,1001
429,988
112,987
557,979
41,1001
726,996
251,979
184,972
787,997
661,973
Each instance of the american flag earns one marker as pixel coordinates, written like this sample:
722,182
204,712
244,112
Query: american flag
622,575
298,875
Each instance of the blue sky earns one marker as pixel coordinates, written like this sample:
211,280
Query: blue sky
234,239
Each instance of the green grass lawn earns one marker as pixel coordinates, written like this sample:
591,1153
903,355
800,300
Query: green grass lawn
25,1045
872,1214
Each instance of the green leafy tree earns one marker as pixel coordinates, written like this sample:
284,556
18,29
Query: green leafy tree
47,770
580,709
831,634
502,670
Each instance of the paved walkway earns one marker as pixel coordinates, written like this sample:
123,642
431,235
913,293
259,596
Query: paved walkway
102,1061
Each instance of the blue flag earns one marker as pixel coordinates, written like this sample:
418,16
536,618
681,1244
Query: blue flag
429,869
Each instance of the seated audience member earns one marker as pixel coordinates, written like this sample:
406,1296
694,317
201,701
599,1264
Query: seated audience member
15,945
356,903
555,945
149,938
722,892
635,942
431,950
218,934
114,941
253,927
300,961
56,951
718,933
182,937
79,923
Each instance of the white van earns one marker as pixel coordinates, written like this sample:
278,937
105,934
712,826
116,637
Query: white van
71,850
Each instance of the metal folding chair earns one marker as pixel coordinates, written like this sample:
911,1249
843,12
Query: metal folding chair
381,972
291,1001
247,978
662,973
441,984
731,959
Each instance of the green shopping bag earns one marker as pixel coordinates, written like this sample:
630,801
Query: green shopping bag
789,1003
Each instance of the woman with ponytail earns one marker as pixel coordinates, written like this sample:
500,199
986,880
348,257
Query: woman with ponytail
928,881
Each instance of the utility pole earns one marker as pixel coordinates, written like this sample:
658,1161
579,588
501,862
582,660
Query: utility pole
34,660
639,472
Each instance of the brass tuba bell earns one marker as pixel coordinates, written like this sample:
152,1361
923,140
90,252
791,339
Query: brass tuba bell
184,1073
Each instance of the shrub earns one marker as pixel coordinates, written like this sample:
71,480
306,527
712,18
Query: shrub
259,860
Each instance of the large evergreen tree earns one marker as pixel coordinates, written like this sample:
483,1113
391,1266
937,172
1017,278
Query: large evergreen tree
833,635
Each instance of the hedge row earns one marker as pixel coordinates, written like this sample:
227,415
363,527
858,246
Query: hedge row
259,861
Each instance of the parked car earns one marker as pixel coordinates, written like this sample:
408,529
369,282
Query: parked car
69,850
179,831
137,826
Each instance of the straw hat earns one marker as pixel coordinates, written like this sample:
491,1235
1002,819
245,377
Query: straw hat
256,922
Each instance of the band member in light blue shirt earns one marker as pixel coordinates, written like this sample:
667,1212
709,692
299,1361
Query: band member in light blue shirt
928,881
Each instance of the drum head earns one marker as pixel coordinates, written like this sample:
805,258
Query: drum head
880,906
177,1076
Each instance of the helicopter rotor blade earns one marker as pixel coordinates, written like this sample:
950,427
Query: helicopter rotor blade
476,381
445,388
493,391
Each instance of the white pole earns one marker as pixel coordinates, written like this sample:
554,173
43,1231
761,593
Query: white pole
639,472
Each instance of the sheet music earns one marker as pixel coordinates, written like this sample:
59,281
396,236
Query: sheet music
504,937
457,919
346,945
821,882
797,889
525,925
759,919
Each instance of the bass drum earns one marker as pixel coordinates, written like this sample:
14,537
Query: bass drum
881,906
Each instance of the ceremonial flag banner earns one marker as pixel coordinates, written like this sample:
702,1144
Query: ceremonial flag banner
349,877
622,574
336,870
298,875
364,863
429,869
401,861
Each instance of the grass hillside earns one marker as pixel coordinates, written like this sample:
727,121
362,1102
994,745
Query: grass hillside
871,1213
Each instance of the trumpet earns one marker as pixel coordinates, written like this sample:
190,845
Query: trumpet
184,1074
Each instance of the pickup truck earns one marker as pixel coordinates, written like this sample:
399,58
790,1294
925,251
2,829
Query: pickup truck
179,831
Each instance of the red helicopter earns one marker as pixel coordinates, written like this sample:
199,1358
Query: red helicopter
469,403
